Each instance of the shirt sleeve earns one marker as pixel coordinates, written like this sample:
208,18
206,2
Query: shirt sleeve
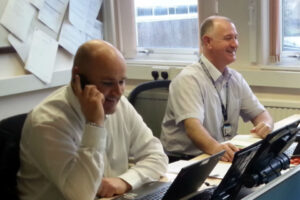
150,161
75,169
186,98
250,105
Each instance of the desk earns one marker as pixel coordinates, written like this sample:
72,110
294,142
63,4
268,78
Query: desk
170,176
215,181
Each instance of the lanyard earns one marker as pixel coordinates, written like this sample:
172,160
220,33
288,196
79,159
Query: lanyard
224,109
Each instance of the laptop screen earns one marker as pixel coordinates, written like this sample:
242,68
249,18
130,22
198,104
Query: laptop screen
188,181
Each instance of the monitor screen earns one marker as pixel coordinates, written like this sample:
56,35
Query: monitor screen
269,159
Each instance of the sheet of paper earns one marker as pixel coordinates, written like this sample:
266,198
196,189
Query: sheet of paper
80,12
243,141
52,13
71,38
175,167
22,48
95,31
220,170
42,54
37,3
17,17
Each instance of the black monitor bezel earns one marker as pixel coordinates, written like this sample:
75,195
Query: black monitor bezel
272,146
264,151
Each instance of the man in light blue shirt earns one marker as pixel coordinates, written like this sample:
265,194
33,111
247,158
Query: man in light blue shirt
207,98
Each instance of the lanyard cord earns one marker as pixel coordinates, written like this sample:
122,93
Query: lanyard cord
224,109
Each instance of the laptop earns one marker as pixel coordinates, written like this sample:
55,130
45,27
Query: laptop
188,181
231,181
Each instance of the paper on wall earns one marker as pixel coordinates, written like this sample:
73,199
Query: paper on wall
52,13
42,55
17,18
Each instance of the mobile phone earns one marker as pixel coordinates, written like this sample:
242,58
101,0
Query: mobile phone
83,81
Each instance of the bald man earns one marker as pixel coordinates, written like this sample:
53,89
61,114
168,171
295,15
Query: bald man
76,144
207,98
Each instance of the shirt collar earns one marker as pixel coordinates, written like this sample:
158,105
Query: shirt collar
74,102
214,72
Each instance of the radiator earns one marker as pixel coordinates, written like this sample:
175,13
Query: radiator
277,113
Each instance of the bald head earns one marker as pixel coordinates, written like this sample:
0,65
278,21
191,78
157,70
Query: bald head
95,51
98,63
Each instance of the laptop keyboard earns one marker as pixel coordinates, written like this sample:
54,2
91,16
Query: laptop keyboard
156,195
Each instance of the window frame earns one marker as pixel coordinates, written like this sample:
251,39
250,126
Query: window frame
120,13
264,58
287,57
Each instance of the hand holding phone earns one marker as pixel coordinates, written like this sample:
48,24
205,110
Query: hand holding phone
91,100
83,81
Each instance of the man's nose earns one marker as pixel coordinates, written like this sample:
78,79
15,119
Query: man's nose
119,89
235,43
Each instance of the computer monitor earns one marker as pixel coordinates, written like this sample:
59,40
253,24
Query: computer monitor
270,159
285,186
259,163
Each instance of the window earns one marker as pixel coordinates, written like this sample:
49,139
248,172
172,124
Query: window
291,25
164,24
162,30
285,33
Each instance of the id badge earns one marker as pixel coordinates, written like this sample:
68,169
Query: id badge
227,130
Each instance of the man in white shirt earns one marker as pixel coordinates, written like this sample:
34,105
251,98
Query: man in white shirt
76,144
207,98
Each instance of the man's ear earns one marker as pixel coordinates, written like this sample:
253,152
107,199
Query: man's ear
75,71
206,40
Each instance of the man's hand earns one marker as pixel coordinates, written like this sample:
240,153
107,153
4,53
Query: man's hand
113,186
262,129
229,148
91,101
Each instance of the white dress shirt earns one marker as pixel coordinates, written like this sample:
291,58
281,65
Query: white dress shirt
193,95
63,158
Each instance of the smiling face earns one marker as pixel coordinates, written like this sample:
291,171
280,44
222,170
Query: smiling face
109,77
220,43
103,66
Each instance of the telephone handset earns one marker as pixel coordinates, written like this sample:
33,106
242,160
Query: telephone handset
83,81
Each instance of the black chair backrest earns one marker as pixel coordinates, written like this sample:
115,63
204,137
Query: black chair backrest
150,100
147,86
10,134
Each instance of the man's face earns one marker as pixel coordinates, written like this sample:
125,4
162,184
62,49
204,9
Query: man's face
224,43
110,78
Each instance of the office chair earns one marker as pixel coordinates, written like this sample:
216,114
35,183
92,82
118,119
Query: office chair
10,133
150,100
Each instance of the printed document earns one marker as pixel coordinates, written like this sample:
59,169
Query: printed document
17,18
42,56
81,12
52,13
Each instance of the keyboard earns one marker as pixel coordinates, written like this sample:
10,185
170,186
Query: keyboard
155,191
155,195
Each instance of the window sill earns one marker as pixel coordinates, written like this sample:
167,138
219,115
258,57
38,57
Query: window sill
141,69
262,76
281,67
271,76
